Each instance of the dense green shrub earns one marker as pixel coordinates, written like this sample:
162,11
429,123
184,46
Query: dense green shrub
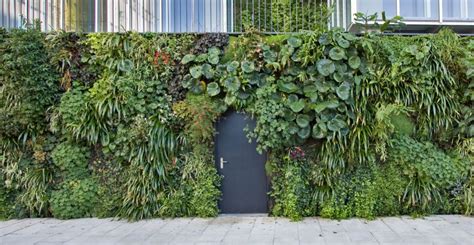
366,192
110,178
75,199
70,54
197,189
6,201
290,185
71,159
28,84
428,172
199,114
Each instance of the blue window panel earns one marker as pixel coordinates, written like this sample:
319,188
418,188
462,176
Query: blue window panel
419,9
377,6
458,9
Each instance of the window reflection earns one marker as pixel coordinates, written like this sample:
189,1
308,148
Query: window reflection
458,9
377,6
419,9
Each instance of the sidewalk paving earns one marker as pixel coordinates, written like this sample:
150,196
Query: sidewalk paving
241,229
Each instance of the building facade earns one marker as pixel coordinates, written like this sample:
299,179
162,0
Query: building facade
418,15
230,15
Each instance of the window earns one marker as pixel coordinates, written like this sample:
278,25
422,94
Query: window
419,9
377,6
458,9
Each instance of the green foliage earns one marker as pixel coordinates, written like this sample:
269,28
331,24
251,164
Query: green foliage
75,199
365,192
110,178
128,119
198,188
151,150
28,84
411,71
69,54
6,201
272,130
290,187
35,197
389,119
199,113
71,159
285,16
389,186
427,170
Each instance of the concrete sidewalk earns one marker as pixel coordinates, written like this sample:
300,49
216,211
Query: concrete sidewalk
241,229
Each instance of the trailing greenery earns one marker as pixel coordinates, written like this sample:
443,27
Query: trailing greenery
290,188
122,124
28,88
428,172
75,199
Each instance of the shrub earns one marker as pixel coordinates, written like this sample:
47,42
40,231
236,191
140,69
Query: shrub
28,84
290,187
72,159
366,192
110,179
355,194
6,200
428,172
201,178
75,199
199,113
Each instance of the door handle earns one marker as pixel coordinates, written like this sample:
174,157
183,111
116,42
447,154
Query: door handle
222,162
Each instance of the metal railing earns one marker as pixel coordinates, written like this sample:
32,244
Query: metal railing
167,15
279,16
419,12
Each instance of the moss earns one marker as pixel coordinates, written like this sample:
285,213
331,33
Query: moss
402,123
276,39
230,50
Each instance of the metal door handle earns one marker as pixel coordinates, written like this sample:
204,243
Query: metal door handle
222,162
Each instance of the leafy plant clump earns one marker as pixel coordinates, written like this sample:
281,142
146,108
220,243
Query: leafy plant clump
428,171
75,199
71,159
290,185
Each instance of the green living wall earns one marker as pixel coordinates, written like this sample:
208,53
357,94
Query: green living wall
121,124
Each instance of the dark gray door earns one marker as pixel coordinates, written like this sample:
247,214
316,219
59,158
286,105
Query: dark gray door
244,187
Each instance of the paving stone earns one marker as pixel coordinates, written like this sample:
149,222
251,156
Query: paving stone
260,238
376,225
241,229
336,237
331,226
18,226
230,238
11,222
361,236
26,239
387,237
353,225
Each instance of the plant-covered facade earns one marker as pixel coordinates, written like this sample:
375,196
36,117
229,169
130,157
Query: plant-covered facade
122,124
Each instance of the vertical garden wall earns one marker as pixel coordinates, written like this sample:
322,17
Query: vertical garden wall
122,124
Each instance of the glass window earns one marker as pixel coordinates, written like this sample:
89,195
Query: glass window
377,6
419,9
458,9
